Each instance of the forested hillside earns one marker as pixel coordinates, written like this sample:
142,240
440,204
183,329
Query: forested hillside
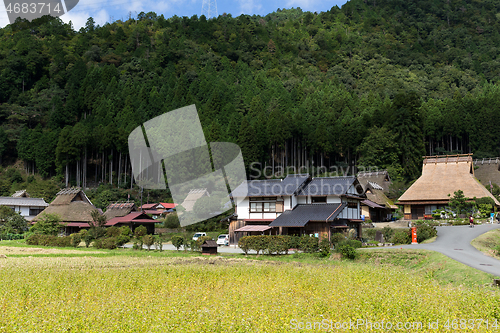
374,83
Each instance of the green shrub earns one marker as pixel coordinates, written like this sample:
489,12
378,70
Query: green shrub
122,240
244,244
425,231
49,240
125,230
194,245
88,238
171,221
113,232
309,244
369,234
33,239
177,241
76,239
324,247
148,241
337,238
158,242
402,237
388,232
347,251
294,242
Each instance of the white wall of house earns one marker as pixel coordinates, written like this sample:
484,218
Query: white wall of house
22,210
333,199
243,209
288,203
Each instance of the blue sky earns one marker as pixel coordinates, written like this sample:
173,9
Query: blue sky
112,10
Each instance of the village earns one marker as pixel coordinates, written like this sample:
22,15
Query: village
297,205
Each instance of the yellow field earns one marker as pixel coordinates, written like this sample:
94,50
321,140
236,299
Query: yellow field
124,294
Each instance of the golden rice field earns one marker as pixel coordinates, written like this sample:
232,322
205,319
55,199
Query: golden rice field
125,294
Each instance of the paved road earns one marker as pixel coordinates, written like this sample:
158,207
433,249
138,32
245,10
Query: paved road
222,249
454,242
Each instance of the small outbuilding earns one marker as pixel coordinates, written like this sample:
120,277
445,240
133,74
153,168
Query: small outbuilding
209,247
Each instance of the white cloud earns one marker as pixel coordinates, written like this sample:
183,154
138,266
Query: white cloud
249,7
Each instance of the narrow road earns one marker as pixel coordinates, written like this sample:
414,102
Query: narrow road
454,242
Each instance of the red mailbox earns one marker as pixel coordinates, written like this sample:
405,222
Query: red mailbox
414,235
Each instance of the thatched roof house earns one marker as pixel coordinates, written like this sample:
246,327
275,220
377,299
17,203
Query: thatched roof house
119,209
192,196
378,207
441,175
381,178
487,170
73,207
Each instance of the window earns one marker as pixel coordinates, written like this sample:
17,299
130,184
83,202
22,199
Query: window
35,211
263,207
318,199
352,205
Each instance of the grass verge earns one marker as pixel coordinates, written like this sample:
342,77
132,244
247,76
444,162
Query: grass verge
487,243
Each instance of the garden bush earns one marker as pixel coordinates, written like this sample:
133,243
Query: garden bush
75,239
347,251
309,244
177,241
113,232
337,238
402,237
324,247
148,241
425,231
388,232
159,242
122,240
33,239
49,240
9,236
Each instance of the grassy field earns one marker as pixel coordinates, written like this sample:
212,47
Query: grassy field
487,243
137,291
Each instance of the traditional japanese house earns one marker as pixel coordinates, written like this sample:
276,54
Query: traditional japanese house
441,177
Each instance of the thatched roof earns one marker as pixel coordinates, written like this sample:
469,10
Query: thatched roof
487,170
381,178
443,175
119,209
375,194
191,198
21,194
72,205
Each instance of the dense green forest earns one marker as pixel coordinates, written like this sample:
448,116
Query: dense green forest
375,83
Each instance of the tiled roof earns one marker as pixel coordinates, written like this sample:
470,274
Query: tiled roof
328,186
371,204
22,201
271,187
168,205
137,217
149,206
301,214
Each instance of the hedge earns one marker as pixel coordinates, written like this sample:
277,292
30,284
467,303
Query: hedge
278,244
